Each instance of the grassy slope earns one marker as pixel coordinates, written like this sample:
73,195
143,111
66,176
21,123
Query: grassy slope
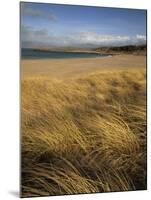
84,135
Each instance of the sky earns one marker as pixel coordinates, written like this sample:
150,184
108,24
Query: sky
54,25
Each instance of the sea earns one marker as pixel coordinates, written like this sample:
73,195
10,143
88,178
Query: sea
43,54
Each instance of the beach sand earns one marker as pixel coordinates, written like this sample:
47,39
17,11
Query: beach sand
68,68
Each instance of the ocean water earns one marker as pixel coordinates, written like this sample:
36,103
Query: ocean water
41,54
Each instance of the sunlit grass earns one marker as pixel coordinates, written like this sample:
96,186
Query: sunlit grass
84,135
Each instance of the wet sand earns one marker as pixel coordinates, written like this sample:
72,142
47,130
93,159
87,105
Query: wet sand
66,68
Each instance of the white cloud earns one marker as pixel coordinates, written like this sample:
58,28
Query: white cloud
142,37
31,37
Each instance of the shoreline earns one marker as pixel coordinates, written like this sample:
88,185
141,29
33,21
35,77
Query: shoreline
69,58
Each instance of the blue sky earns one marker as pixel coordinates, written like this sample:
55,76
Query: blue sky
53,25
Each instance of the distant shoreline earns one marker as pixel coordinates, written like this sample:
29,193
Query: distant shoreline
53,54
71,52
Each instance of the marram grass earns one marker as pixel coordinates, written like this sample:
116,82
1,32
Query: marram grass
84,135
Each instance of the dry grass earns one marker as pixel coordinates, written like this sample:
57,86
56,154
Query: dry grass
84,135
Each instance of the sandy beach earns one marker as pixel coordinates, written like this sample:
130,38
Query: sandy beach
66,68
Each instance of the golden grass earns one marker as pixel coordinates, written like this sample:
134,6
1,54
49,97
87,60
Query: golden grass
84,135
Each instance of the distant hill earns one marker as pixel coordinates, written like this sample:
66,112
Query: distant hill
141,49
129,49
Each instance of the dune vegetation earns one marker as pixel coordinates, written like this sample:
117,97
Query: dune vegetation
84,135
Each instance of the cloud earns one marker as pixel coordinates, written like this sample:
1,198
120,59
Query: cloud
36,13
141,37
31,37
